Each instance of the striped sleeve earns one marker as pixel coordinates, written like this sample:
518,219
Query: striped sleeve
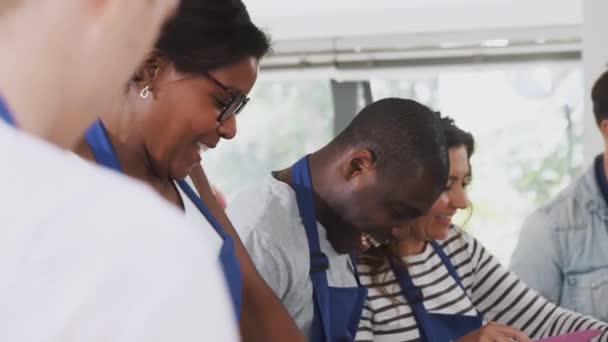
503,298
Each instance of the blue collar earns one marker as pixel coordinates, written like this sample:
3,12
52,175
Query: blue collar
5,114
600,176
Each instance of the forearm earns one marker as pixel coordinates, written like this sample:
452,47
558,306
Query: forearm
507,300
263,316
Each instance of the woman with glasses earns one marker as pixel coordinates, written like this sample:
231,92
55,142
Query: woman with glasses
437,283
183,100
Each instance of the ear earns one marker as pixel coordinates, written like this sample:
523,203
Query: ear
152,66
360,161
604,128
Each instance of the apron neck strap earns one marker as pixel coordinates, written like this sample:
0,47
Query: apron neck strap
302,185
101,146
447,263
198,202
5,114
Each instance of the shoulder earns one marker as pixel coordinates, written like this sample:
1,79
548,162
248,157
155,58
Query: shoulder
77,197
464,250
458,239
269,207
110,237
568,209
44,183
373,267
126,217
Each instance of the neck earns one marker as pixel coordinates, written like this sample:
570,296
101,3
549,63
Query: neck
325,173
321,172
123,131
412,245
31,74
320,165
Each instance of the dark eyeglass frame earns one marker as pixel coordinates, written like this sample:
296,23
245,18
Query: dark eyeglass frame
235,104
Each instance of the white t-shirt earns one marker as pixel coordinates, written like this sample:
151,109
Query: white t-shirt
88,255
268,221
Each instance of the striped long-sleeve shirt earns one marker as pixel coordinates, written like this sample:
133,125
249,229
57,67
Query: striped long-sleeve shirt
490,290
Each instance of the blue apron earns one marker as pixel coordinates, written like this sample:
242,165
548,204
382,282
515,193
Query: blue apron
337,310
5,115
104,154
435,327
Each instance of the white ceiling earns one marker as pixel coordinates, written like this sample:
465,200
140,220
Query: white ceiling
273,8
303,19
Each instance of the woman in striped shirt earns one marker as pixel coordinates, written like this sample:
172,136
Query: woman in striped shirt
437,283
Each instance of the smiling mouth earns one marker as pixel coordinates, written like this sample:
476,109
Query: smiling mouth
445,218
204,147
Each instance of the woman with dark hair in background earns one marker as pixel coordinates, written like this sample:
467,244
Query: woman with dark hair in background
182,101
437,283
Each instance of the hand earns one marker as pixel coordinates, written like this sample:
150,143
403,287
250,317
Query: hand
364,243
492,332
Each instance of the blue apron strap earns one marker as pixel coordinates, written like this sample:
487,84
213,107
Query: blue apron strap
5,114
447,263
228,259
104,153
319,263
198,202
451,269
101,146
427,323
415,300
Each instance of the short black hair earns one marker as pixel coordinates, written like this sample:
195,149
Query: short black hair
599,96
404,136
208,34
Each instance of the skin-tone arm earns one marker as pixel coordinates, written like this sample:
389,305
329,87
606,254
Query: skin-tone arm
263,316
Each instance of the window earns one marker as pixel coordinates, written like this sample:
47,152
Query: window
526,119
527,122
284,120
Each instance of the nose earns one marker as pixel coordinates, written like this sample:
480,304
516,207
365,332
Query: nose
227,128
443,199
459,199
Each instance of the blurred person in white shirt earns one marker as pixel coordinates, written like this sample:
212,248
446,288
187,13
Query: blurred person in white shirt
78,262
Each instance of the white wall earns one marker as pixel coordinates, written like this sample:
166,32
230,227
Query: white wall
296,19
595,58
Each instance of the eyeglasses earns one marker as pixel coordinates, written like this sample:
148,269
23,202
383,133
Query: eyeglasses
235,103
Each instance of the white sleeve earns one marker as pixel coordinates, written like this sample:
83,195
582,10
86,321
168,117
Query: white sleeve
182,295
271,261
129,271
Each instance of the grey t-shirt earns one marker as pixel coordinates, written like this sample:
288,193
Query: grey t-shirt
267,219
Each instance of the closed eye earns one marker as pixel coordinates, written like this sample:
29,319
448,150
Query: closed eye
220,103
